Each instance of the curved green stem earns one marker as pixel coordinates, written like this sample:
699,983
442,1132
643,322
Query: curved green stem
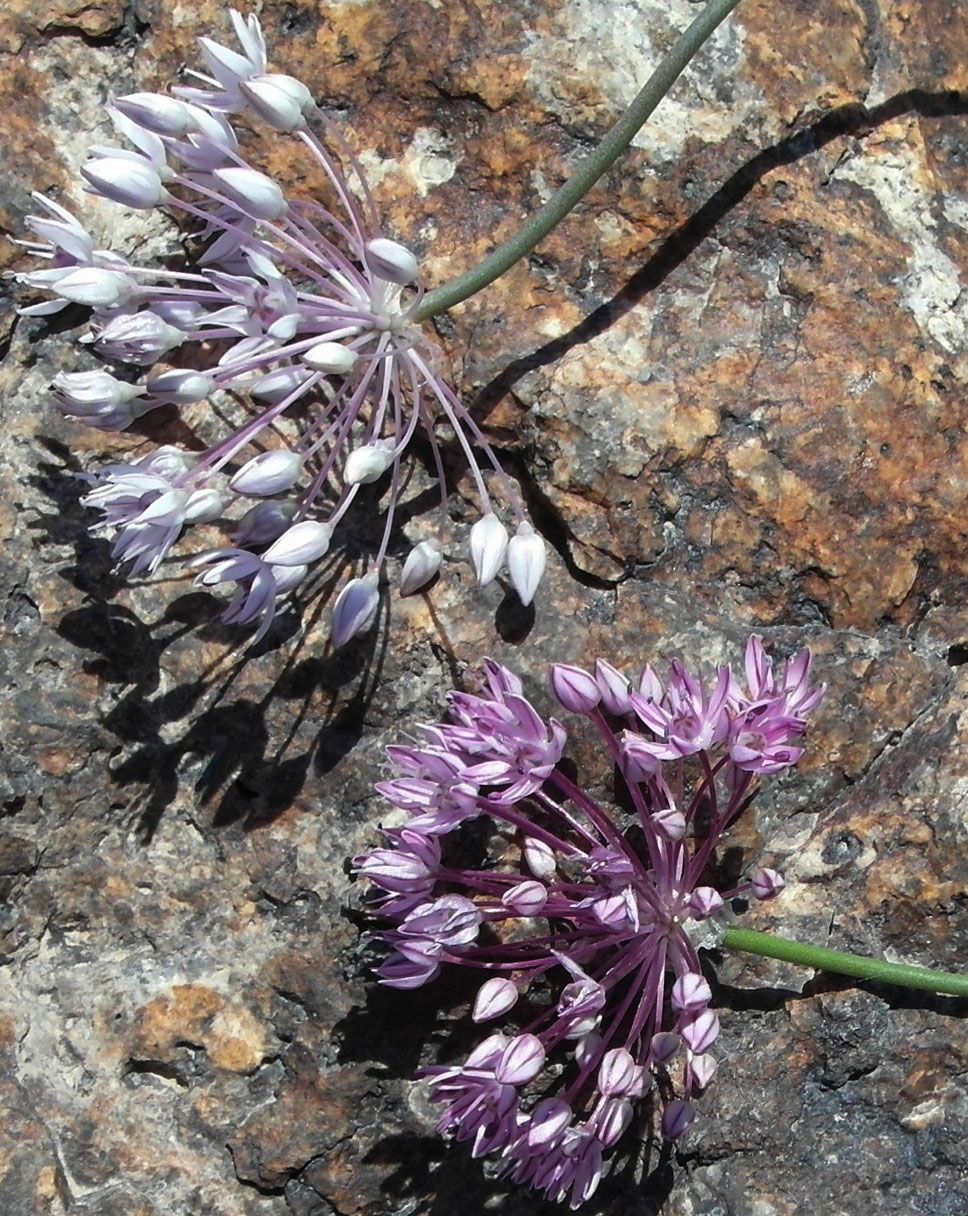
821,959
587,174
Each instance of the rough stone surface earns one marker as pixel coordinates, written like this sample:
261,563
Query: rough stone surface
733,389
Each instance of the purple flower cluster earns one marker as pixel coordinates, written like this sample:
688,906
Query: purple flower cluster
305,310
588,921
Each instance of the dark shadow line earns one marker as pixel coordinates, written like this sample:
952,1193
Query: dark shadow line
854,119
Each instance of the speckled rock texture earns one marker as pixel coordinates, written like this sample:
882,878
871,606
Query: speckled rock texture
733,389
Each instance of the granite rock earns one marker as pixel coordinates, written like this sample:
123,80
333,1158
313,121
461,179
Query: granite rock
732,388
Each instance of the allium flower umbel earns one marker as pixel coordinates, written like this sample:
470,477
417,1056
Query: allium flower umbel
300,306
586,923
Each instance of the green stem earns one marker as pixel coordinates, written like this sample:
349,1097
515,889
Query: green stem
591,169
837,961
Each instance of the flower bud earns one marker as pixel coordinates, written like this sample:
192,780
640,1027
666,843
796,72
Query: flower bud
332,358
520,1061
618,1074
203,506
293,88
540,858
614,688
287,578
670,823
663,1047
548,1120
272,104
705,902
391,261
638,757
156,112
690,992
574,688
268,473
612,1121
354,609
180,387
701,1069
527,557
767,883
304,542
264,523
526,898
277,385
489,545
494,998
367,464
587,1048
423,562
699,1030
94,287
133,183
677,1118
252,192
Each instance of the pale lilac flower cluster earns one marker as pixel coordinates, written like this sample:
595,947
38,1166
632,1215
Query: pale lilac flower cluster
592,938
304,310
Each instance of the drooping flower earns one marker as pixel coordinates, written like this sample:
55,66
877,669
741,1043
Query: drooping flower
300,305
586,925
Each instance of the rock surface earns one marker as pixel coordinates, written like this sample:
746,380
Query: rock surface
732,387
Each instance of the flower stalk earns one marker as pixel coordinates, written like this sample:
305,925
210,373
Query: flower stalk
598,162
903,975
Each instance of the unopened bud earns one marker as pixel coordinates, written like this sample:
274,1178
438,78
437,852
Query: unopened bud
670,823
252,192
180,386
614,688
618,1074
540,858
268,473
701,1069
663,1047
495,997
520,1061
699,1030
277,385
423,562
526,898
264,523
587,1049
133,183
156,112
705,902
767,883
677,1118
203,506
354,609
304,542
391,261
287,578
367,464
94,287
573,687
332,358
690,991
527,558
489,546
272,104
